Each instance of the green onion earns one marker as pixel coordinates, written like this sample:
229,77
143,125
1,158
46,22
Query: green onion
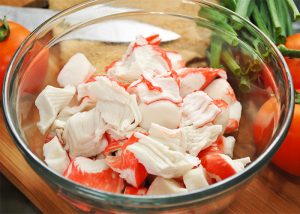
229,61
230,4
260,22
245,83
274,17
215,50
294,8
289,52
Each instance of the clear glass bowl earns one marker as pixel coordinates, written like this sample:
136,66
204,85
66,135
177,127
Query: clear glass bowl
47,49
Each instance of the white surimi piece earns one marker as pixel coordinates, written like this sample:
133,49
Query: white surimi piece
228,143
197,139
198,110
142,57
83,133
162,112
50,102
195,178
55,156
118,108
75,71
160,160
162,186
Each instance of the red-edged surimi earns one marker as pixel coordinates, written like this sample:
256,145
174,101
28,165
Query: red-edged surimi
128,165
195,79
221,166
198,109
95,174
159,159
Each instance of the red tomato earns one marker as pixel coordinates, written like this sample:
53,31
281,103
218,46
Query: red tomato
9,45
293,42
287,157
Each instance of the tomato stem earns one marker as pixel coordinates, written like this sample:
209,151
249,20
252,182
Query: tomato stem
4,29
297,97
292,53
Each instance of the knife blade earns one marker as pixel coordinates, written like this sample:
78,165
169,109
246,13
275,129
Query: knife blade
115,31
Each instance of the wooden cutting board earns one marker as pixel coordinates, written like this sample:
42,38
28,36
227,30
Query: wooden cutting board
273,191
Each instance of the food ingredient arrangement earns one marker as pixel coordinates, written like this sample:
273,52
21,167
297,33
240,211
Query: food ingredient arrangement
150,125
275,19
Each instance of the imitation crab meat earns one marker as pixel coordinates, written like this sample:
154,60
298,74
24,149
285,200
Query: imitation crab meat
148,126
95,174
128,165
75,71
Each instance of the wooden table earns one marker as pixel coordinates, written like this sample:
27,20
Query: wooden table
273,191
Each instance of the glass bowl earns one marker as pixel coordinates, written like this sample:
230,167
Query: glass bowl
40,58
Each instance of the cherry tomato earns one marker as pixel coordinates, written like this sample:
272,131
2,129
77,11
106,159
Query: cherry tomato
293,42
8,45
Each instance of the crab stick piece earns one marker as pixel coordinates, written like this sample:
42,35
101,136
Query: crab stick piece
198,110
221,166
195,178
55,156
75,71
128,165
140,56
118,108
50,102
162,186
195,79
95,174
83,134
160,160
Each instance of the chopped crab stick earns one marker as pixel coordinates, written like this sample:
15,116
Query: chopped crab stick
156,113
135,191
140,56
195,178
55,156
235,110
118,108
221,166
220,89
223,145
198,110
128,165
195,79
75,71
176,60
150,89
83,134
50,102
95,174
197,139
160,160
162,186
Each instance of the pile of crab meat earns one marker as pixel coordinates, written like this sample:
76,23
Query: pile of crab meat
149,126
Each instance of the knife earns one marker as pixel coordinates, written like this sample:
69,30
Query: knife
116,31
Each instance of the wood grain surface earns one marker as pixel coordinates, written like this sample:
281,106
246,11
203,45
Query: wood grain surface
273,191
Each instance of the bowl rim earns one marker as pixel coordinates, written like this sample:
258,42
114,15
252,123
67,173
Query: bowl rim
161,200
